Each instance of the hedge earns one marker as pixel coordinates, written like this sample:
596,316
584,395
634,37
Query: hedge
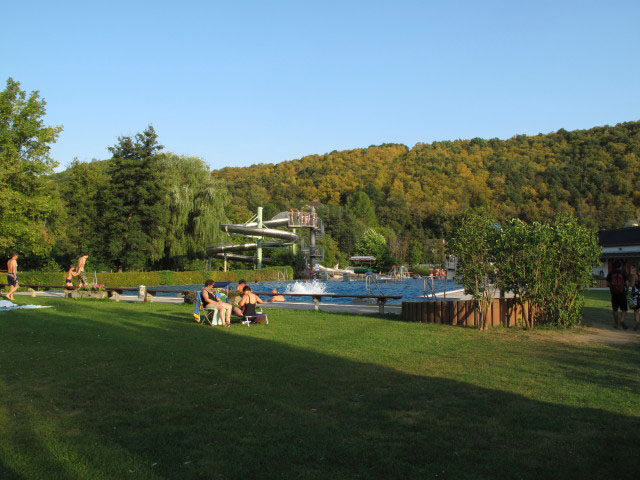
163,277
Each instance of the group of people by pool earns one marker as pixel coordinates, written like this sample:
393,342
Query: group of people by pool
244,302
76,270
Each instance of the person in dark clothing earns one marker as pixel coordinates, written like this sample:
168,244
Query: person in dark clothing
210,300
635,300
618,281
249,301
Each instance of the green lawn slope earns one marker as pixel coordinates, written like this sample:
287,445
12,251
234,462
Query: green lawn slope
98,389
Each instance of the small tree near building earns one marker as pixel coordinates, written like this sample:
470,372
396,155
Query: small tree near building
475,243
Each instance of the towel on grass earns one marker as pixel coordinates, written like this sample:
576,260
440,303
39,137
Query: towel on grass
6,305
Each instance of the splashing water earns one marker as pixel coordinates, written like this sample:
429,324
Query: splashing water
314,287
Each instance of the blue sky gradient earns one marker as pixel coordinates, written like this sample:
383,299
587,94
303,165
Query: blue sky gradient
243,82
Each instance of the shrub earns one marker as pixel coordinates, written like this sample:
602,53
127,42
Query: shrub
475,243
164,277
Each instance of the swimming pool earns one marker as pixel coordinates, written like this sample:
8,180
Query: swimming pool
412,289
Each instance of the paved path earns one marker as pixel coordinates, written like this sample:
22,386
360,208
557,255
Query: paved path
326,307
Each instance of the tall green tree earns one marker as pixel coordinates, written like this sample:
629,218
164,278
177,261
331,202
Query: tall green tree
135,204
373,243
196,209
81,186
359,205
29,202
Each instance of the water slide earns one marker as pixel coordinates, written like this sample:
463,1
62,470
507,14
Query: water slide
251,229
333,271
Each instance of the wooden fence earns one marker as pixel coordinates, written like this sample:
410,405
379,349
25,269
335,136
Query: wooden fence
503,311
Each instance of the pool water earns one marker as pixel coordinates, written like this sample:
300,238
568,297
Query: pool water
412,289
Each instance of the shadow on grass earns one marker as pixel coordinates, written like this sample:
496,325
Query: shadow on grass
119,398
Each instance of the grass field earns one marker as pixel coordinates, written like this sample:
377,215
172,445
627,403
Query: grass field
92,390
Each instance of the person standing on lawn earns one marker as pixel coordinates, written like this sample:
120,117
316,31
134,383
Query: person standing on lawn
617,281
82,275
635,300
12,275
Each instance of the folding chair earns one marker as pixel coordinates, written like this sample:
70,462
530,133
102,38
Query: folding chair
210,315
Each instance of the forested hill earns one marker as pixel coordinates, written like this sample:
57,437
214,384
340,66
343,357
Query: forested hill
594,174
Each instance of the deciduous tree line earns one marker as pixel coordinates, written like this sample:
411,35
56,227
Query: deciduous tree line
143,208
139,209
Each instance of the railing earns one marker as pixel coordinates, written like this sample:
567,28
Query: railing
151,292
429,289
369,280
317,297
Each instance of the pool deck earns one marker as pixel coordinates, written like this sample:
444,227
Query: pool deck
366,309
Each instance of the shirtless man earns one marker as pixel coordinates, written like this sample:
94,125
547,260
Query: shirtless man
276,297
80,270
237,310
210,301
12,275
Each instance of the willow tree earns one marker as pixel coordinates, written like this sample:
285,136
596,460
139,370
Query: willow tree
28,200
196,208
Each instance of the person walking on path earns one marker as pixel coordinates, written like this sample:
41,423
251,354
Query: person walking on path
617,281
12,275
82,275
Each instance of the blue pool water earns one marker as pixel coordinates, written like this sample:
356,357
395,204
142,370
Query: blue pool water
412,289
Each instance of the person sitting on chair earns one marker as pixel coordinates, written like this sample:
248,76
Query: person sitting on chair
248,302
237,310
210,301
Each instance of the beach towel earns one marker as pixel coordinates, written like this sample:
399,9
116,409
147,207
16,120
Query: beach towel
6,305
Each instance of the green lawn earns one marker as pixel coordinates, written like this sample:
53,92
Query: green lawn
93,390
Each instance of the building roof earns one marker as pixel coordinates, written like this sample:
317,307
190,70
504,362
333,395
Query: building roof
619,237
614,255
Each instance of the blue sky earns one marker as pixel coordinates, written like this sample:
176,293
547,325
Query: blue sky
244,82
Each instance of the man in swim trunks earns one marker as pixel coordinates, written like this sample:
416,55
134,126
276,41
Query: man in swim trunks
12,275
80,270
